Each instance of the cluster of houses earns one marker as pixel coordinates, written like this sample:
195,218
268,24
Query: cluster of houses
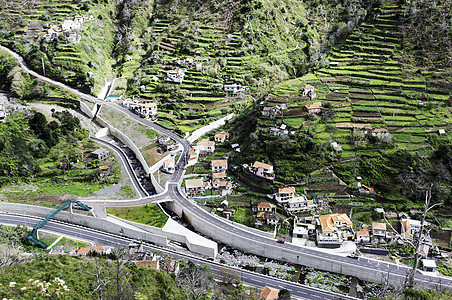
329,231
220,181
70,28
308,90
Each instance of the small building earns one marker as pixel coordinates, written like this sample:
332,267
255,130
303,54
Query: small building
306,90
219,165
429,265
379,229
232,88
313,108
194,187
442,132
219,176
299,203
269,293
278,131
148,110
176,76
302,230
2,114
363,236
100,154
221,137
271,219
168,165
273,112
206,146
265,207
284,194
262,170
192,156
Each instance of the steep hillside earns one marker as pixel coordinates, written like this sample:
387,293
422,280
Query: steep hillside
377,106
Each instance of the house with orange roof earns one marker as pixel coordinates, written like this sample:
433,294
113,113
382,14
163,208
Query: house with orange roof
313,108
284,194
363,236
221,137
333,229
98,249
265,206
262,170
194,187
269,293
379,230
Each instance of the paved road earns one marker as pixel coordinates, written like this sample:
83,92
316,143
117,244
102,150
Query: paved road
101,238
235,233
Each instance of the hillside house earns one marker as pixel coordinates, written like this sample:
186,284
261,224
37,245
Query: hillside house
71,25
234,88
378,230
194,187
100,154
333,229
221,137
219,165
271,219
306,90
313,108
336,147
278,131
265,207
429,265
2,114
219,176
175,76
272,112
192,157
224,185
363,236
148,109
441,132
299,203
284,194
206,146
262,170
168,166
303,229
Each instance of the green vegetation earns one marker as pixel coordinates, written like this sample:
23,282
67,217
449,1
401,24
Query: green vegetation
150,214
41,158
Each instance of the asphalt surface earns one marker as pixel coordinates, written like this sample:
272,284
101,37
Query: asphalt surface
235,232
102,238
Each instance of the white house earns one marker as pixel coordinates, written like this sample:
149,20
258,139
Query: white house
298,203
363,236
429,265
219,165
284,194
176,76
168,165
194,187
306,90
234,88
262,170
278,131
148,110
206,146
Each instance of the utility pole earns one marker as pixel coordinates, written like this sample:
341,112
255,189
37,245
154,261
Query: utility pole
428,197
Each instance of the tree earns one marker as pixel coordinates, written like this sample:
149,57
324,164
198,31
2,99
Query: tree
195,280
284,294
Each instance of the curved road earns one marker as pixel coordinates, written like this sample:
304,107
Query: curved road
101,238
235,232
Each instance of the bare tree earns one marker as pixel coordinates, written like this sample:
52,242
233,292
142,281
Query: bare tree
196,281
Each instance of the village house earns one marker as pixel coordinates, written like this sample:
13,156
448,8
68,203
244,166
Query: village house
313,108
148,110
284,194
363,236
333,230
378,231
176,76
273,112
262,170
221,137
336,147
429,265
305,90
219,176
104,171
206,146
100,154
192,157
168,165
194,187
234,88
224,186
299,203
278,131
271,219
265,207
303,229
219,165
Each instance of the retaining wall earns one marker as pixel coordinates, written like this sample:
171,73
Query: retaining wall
270,249
88,221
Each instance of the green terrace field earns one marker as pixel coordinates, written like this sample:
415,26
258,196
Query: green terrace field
25,24
214,60
367,85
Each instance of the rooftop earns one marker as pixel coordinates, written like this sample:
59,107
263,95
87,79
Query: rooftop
287,190
194,183
262,165
379,226
219,163
205,142
219,175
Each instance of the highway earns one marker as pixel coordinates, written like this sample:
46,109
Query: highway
101,238
235,232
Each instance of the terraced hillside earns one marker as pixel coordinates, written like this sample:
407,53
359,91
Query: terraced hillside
85,64
373,105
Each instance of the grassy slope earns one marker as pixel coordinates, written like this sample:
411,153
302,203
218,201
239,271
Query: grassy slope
150,214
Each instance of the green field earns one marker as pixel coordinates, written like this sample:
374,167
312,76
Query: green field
149,214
